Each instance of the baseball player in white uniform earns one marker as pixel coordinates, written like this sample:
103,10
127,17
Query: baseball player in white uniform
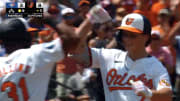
24,74
131,75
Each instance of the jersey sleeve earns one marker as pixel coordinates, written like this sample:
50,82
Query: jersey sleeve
94,55
161,77
33,65
89,57
52,51
40,55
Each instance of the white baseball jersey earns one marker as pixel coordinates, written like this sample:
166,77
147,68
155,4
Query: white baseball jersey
117,68
24,74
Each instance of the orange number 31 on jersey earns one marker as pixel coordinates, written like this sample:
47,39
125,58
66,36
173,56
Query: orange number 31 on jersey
13,92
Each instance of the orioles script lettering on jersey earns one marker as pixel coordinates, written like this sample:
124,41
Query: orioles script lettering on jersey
119,82
15,68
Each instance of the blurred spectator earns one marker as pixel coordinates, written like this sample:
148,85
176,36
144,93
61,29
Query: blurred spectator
155,9
74,3
175,8
87,83
162,53
68,3
164,28
153,1
82,10
102,31
77,82
52,9
109,7
116,2
175,38
68,16
64,70
143,7
84,6
164,25
95,85
120,13
129,5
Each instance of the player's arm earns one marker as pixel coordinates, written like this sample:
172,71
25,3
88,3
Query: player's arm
72,38
68,36
162,90
164,94
96,15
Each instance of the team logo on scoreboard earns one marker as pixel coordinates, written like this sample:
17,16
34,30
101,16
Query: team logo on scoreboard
30,3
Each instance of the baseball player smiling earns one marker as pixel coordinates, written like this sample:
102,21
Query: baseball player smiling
131,75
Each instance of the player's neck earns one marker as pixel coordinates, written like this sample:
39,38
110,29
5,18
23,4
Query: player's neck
138,54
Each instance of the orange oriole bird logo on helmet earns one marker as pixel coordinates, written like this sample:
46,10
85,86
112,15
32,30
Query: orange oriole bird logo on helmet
129,21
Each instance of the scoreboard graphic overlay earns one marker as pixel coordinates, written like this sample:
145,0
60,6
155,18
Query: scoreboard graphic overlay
30,8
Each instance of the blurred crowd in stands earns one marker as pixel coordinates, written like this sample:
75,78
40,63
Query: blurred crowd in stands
71,80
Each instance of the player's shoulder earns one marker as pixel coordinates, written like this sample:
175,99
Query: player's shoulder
108,52
17,53
111,54
48,45
153,62
111,51
3,59
155,66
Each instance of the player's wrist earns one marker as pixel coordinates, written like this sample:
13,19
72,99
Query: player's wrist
149,93
140,88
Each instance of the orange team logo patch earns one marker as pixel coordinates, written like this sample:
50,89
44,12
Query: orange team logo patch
164,83
129,21
30,3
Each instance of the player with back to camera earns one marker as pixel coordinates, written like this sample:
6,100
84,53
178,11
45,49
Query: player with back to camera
118,68
24,74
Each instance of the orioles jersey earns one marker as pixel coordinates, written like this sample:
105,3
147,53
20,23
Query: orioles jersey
117,69
24,74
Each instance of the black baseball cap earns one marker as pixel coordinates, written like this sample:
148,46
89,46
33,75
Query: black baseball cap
15,30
